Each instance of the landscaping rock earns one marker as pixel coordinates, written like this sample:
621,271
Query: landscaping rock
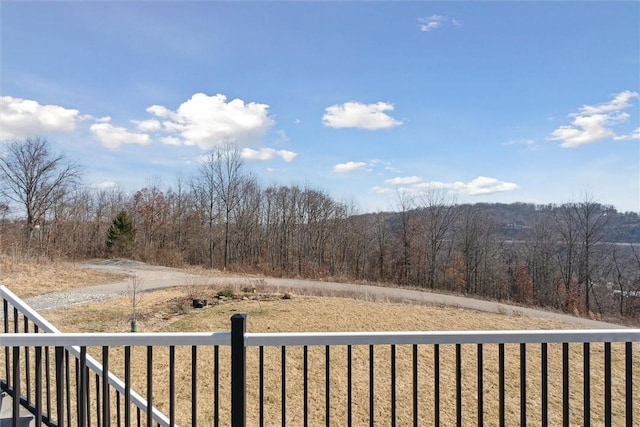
199,303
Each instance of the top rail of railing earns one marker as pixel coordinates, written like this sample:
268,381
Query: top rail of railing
442,337
155,339
320,338
43,324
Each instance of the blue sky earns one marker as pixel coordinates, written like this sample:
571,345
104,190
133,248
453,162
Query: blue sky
490,101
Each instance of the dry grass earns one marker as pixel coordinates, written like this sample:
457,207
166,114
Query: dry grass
169,311
27,278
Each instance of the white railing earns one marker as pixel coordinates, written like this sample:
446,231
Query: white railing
378,339
51,331
442,337
237,341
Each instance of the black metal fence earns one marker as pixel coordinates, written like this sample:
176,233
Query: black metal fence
559,377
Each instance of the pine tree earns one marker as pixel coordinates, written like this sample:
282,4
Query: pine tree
121,235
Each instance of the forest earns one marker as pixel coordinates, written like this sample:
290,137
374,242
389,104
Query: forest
581,257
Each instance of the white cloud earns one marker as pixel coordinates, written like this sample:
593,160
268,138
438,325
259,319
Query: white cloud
20,118
434,22
406,180
594,122
431,23
485,185
159,110
619,102
208,121
526,142
105,185
112,136
287,155
262,154
390,168
349,167
479,186
267,154
380,190
281,137
171,140
357,115
150,125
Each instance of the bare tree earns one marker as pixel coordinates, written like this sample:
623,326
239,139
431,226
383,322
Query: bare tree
221,183
381,235
474,234
539,255
591,217
35,178
581,227
566,253
405,204
4,211
439,214
246,219
179,205
208,206
152,209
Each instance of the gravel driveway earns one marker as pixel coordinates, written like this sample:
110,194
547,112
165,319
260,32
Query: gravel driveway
154,277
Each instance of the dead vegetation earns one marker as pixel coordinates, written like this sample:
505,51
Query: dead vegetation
170,311
286,310
28,277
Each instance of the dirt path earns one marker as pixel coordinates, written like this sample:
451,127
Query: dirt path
154,277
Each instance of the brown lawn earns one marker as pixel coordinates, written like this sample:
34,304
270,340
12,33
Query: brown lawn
169,311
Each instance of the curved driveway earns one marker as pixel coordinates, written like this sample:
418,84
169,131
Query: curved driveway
153,277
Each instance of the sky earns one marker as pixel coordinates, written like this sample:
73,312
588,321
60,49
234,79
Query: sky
492,102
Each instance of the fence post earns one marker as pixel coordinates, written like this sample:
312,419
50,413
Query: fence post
16,384
60,381
238,370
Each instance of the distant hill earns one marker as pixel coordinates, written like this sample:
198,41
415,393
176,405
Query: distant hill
513,221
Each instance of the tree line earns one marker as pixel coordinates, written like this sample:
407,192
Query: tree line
223,218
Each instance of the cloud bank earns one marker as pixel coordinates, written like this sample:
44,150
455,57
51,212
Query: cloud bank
204,121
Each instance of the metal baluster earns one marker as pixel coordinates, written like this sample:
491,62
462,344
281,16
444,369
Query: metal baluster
393,385
283,385
586,369
545,386
480,386
149,385
523,384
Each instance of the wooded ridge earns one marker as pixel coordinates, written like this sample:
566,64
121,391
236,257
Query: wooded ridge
581,257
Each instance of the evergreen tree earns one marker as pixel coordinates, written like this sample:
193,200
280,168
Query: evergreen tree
121,235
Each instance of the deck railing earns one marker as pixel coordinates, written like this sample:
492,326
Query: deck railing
551,377
50,387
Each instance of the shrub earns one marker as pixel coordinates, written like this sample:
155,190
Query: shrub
226,292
